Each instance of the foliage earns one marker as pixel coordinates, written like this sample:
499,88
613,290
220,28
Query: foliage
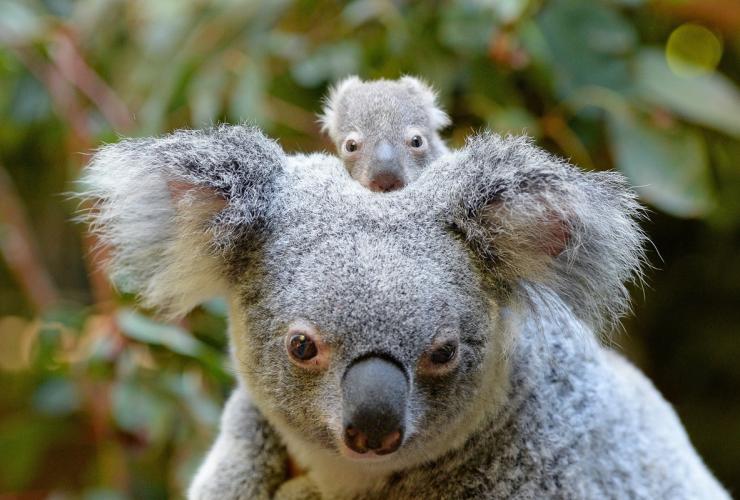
102,401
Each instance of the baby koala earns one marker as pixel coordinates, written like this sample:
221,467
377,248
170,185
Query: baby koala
385,131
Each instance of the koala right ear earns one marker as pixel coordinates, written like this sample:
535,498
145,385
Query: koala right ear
540,225
438,119
328,117
169,209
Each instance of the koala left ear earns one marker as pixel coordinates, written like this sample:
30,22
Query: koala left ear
169,209
328,117
438,119
538,223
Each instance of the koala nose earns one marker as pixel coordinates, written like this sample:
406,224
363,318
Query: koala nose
384,152
374,394
386,169
385,182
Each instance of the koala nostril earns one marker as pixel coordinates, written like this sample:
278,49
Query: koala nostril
389,443
386,182
356,440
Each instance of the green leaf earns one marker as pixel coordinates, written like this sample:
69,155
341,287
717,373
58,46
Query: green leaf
56,396
137,409
18,22
711,100
140,328
248,97
668,167
217,307
328,63
467,26
30,102
588,44
205,96
143,329
514,120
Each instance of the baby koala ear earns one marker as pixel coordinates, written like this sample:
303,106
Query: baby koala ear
438,119
328,117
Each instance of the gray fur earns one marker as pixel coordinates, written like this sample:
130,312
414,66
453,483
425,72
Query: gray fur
384,113
520,256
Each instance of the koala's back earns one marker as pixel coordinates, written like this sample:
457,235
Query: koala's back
582,423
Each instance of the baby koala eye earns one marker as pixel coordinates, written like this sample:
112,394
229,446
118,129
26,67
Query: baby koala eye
302,347
351,145
416,141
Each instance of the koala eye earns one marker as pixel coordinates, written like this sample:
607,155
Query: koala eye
351,145
444,353
302,347
441,358
416,141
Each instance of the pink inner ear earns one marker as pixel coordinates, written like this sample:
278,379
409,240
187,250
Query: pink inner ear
179,190
556,236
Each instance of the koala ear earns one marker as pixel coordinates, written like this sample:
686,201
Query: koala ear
328,117
438,119
169,209
539,224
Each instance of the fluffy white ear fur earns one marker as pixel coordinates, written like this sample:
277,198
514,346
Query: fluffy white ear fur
156,228
169,208
328,118
438,119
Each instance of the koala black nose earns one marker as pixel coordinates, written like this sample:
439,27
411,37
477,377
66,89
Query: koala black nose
385,182
374,394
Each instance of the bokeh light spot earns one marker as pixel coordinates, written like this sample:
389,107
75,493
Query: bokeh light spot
693,50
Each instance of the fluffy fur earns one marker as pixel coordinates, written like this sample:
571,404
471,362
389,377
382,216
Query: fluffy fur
517,254
382,116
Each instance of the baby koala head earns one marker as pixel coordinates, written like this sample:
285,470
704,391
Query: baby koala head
386,131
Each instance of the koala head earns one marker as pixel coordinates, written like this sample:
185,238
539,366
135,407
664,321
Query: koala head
368,327
385,131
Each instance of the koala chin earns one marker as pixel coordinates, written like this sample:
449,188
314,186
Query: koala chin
438,341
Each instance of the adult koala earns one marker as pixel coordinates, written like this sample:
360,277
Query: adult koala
433,342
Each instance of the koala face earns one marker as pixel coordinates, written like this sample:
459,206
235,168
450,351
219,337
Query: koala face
372,344
385,131
369,328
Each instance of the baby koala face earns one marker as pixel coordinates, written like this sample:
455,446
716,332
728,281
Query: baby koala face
372,346
385,131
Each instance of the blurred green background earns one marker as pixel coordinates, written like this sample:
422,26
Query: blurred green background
100,400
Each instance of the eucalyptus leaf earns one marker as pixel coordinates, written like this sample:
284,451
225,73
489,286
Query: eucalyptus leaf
205,96
248,97
514,120
711,99
19,22
142,329
137,409
467,26
588,44
328,63
138,327
56,396
668,167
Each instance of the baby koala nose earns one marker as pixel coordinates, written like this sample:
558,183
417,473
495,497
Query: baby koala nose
385,182
374,393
